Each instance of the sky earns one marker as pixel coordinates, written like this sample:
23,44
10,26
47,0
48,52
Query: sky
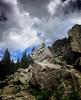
30,22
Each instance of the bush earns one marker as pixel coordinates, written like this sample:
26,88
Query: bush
72,96
40,94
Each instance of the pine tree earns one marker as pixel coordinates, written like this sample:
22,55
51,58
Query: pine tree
18,63
24,60
6,62
12,62
6,59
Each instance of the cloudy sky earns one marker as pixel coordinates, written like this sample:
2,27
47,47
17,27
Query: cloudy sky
31,22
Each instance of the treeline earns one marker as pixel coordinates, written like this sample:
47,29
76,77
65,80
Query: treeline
7,66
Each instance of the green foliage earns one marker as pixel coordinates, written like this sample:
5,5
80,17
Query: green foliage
6,59
44,95
17,65
24,60
6,66
58,92
7,62
73,95
40,94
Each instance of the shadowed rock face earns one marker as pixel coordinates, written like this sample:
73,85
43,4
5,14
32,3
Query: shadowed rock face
74,36
69,49
60,47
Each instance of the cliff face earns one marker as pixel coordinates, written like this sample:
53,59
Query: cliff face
69,49
74,35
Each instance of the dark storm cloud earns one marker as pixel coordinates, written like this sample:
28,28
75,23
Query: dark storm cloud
4,7
36,8
8,11
27,17
5,10
71,6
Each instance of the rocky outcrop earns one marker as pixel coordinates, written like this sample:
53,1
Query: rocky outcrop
74,36
45,73
59,47
68,49
42,54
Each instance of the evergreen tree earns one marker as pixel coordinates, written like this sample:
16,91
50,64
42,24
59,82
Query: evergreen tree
12,62
6,59
18,63
24,60
6,64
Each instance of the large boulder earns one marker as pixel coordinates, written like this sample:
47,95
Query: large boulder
47,76
74,35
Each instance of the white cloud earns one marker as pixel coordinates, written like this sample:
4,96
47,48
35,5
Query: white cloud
22,34
52,6
17,40
14,2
